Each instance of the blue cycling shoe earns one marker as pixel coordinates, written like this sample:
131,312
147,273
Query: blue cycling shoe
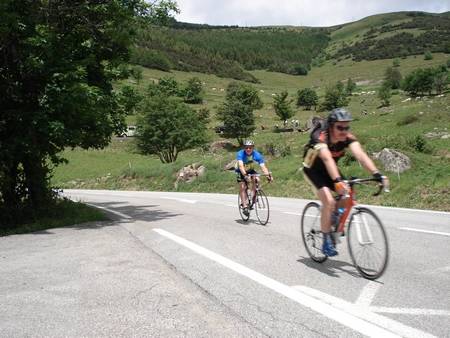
328,247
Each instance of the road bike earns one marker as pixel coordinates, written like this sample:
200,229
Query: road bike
258,202
366,236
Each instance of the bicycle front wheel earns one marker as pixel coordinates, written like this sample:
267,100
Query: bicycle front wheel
241,211
311,232
262,207
367,243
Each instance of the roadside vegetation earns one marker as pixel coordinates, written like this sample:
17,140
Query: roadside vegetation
207,84
401,126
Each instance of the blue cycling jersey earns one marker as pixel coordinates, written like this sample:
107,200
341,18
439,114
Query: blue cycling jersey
249,160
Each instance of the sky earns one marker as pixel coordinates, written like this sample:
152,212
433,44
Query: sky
315,13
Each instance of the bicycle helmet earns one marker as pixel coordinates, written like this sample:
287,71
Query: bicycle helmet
339,115
249,143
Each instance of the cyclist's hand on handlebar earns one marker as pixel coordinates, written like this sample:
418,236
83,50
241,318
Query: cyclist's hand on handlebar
383,180
269,178
247,178
341,187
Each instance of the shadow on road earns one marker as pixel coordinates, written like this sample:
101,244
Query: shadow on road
331,267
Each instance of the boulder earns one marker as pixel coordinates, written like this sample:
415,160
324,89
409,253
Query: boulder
230,166
221,144
393,160
190,173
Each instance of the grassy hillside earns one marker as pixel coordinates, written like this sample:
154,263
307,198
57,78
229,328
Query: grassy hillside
401,126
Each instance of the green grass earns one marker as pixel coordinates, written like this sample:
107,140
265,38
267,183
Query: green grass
425,185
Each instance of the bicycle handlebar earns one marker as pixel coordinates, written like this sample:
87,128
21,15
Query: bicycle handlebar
381,185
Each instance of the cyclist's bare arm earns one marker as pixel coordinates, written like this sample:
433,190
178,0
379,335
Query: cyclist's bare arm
241,167
330,164
362,157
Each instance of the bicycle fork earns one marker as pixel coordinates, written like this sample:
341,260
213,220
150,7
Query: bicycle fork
363,232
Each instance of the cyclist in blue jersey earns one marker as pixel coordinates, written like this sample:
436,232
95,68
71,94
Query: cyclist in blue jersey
246,163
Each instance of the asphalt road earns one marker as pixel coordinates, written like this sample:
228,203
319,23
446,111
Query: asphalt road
185,265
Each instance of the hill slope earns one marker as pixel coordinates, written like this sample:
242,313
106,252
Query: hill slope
234,51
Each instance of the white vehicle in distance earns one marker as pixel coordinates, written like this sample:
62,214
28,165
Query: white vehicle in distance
129,132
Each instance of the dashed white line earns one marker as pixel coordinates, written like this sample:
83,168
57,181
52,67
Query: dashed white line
369,324
368,293
426,231
184,200
364,313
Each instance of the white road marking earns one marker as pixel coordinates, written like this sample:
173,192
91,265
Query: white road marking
409,311
368,324
110,210
368,294
180,200
292,213
364,313
427,231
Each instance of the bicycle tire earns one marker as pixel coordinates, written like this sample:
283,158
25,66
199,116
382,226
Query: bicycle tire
364,232
241,212
311,232
262,207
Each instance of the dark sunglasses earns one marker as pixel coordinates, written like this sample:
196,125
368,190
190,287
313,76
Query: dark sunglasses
342,128
249,147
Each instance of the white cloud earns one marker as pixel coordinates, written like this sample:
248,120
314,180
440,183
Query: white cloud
296,12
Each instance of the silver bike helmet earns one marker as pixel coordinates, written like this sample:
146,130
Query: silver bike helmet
249,143
339,115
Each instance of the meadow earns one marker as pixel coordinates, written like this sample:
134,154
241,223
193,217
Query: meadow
401,126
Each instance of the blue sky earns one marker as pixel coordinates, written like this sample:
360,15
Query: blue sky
317,13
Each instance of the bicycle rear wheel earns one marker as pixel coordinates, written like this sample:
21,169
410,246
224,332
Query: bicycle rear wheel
241,212
262,207
311,232
367,243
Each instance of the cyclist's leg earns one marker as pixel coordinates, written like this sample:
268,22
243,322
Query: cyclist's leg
324,190
242,189
253,187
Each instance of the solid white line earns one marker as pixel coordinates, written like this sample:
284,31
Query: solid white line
364,313
343,317
292,213
180,200
427,231
367,294
410,311
110,210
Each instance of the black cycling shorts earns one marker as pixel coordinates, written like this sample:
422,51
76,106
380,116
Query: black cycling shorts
319,179
240,177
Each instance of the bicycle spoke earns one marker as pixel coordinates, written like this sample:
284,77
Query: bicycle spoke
368,246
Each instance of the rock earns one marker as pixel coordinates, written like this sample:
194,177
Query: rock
190,173
393,160
230,166
222,144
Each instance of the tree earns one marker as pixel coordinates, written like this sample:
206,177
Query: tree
392,78
350,87
335,96
169,86
58,61
427,55
166,126
396,62
236,112
282,106
308,98
193,93
384,94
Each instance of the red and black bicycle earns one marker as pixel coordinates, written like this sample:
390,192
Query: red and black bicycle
366,237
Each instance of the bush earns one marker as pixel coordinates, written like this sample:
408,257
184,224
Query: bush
419,143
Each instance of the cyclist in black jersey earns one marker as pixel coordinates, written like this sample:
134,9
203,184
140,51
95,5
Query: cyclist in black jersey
326,146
